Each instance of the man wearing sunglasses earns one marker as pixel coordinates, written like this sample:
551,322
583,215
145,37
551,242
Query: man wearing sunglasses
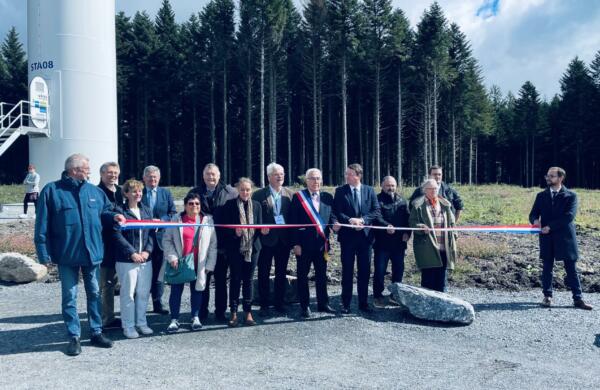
554,211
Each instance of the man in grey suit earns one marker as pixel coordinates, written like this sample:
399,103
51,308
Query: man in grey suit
275,201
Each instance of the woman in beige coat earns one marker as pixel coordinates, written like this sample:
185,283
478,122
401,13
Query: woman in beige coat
178,242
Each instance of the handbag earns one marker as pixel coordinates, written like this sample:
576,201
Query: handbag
185,271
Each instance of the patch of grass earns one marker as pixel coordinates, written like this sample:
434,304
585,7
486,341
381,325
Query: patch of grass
11,193
20,243
474,247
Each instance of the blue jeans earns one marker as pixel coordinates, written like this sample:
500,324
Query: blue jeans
69,279
572,278
382,257
175,299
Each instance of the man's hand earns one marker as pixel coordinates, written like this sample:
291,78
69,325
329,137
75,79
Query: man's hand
297,250
424,227
120,219
545,230
337,227
137,258
264,231
238,232
145,255
405,237
358,222
390,230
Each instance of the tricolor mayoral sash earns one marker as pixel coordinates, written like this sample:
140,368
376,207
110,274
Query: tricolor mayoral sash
315,218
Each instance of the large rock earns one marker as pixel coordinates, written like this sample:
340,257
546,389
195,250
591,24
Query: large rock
432,305
15,267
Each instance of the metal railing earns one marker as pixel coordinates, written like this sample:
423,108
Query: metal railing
13,116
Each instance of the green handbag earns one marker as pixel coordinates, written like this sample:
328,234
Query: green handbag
185,271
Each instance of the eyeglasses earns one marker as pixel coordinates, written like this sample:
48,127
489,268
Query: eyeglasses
193,203
550,176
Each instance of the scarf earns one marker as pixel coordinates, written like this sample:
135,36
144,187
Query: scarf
247,234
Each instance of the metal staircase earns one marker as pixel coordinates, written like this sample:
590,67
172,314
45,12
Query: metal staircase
14,122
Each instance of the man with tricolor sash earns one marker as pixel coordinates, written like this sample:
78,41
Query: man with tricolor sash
311,245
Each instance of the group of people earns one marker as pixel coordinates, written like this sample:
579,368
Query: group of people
78,227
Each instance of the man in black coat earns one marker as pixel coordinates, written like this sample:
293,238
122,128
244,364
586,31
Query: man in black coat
390,244
310,206
445,191
275,201
554,211
213,196
355,204
109,177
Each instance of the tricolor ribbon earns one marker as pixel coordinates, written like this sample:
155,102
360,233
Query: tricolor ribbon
315,218
149,224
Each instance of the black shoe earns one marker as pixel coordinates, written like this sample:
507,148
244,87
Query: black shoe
305,312
203,315
264,311
74,347
366,308
116,323
220,317
100,340
345,310
158,309
326,309
280,309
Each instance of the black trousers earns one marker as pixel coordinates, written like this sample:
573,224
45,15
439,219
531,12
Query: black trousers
220,275
29,197
357,247
314,257
281,254
157,287
435,278
241,273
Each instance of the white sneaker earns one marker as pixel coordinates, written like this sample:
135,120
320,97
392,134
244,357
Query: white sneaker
173,326
145,330
23,216
196,324
131,333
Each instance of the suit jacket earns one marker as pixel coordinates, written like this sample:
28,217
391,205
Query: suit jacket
231,215
116,199
344,210
559,215
308,238
394,211
164,209
275,236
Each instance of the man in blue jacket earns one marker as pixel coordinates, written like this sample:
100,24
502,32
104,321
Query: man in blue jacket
160,201
554,211
68,232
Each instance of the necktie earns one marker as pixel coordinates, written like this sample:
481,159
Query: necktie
315,200
553,194
355,200
152,198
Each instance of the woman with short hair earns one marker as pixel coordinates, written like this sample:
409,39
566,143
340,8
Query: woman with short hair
243,248
435,250
178,242
132,251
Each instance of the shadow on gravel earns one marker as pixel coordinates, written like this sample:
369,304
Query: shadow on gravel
47,338
515,306
597,342
37,319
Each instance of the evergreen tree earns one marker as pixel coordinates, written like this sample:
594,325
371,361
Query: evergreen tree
14,85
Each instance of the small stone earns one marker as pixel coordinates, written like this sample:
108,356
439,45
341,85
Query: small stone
432,305
15,267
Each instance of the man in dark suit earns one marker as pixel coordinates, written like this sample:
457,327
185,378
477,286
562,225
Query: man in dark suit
554,211
109,177
160,201
213,196
389,244
311,206
275,201
445,191
355,204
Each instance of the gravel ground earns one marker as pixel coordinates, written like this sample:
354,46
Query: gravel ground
513,343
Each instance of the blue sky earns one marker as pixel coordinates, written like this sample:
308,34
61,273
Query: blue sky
514,40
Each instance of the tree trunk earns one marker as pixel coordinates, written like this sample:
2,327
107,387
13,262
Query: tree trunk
435,119
213,141
344,154
272,111
195,141
261,140
226,173
168,149
315,109
399,141
376,129
470,160
453,148
289,140
249,126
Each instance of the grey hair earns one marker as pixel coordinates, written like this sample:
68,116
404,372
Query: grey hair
386,178
429,181
151,169
242,180
311,170
211,166
75,161
106,165
272,167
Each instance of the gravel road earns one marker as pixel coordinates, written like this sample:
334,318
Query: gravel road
513,343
